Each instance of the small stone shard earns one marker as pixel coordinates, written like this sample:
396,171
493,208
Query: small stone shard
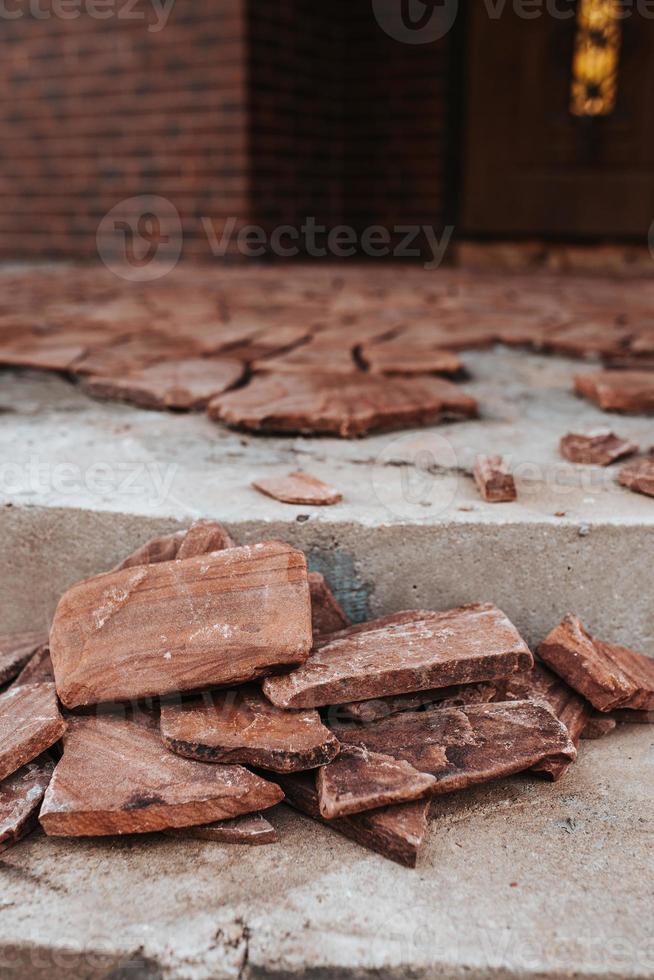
243,726
216,620
597,448
607,675
16,649
115,777
599,725
440,697
495,482
30,723
401,653
360,780
252,830
326,613
639,476
299,488
180,384
619,391
20,799
464,746
163,548
203,538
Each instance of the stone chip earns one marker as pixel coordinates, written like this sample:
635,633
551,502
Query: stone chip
30,722
299,488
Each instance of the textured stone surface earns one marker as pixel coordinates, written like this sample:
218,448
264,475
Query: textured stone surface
241,725
37,669
399,358
467,745
360,780
217,619
396,832
116,777
639,476
327,615
30,723
338,404
202,538
619,391
606,674
299,488
401,653
438,697
20,799
599,725
597,448
253,830
16,649
184,384
163,548
494,480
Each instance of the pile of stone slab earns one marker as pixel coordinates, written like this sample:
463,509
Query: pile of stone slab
200,683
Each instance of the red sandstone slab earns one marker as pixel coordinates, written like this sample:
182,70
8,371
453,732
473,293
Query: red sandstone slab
359,780
16,650
619,391
163,548
596,449
115,777
607,675
30,723
203,538
440,697
130,353
464,746
252,830
299,488
639,476
183,385
38,669
327,616
401,653
494,480
20,800
338,404
396,832
216,620
241,725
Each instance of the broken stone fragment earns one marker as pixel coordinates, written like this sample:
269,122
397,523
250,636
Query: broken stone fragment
252,830
180,384
20,799
163,548
599,725
596,448
38,669
639,476
299,488
203,538
396,832
440,697
619,391
216,620
339,404
607,675
401,653
240,725
464,746
326,613
115,777
16,649
360,780
30,723
494,480
397,357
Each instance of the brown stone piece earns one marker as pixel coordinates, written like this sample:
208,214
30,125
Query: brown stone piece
299,488
129,353
596,449
397,357
163,548
359,780
115,777
600,725
183,385
472,744
16,650
38,669
326,613
401,653
639,476
241,725
216,620
252,830
619,391
203,538
607,675
439,697
20,799
495,482
396,832
338,404
30,723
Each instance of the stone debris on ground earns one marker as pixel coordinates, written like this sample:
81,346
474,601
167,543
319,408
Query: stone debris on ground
596,448
299,488
639,476
494,480
631,392
196,745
